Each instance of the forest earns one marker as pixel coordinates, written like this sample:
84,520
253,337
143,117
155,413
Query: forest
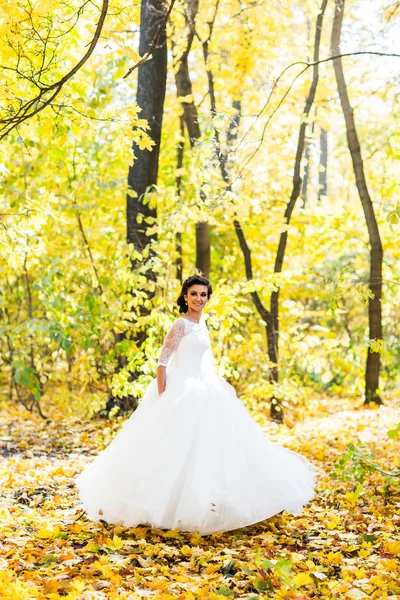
256,144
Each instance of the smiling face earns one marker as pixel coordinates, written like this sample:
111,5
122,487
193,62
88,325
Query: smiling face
196,297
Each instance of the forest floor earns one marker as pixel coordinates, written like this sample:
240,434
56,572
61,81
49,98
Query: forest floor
346,544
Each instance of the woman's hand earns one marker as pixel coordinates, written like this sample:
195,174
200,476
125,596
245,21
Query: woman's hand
161,379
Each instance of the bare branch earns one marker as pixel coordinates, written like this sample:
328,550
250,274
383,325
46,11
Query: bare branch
281,101
153,43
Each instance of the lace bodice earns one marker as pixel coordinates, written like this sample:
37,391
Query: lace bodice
172,339
187,346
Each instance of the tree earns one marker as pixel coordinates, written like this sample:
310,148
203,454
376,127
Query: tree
306,173
376,250
152,76
323,164
270,317
190,117
141,215
273,320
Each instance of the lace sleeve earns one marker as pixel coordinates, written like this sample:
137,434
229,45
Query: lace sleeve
172,339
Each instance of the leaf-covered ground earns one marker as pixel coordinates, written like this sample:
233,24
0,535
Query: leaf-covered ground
343,546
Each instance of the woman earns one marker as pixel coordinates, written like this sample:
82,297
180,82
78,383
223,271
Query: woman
191,457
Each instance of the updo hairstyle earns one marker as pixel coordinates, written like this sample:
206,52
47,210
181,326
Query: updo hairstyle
193,280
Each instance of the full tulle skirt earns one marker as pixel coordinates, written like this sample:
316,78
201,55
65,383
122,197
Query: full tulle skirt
193,459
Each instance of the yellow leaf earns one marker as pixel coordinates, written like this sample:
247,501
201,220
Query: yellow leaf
335,558
78,585
302,579
115,544
333,523
310,564
378,581
52,586
196,539
186,550
44,534
388,565
145,143
360,573
392,547
92,547
211,569
352,548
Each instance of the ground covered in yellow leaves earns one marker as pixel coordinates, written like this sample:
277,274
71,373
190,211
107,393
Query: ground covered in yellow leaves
345,545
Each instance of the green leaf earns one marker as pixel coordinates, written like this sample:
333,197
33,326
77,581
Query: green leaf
48,558
90,302
394,434
262,585
392,217
283,568
258,558
224,591
368,537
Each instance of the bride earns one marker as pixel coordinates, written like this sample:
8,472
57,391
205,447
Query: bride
191,457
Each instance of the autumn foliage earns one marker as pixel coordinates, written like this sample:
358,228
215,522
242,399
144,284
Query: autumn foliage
345,544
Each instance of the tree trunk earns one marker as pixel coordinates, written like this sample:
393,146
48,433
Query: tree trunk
178,184
276,409
203,248
152,77
185,94
376,250
142,175
182,76
323,165
306,175
304,187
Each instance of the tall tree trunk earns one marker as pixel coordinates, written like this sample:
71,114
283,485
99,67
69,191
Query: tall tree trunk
142,175
323,164
376,250
178,184
185,94
306,175
309,142
182,76
203,248
276,411
304,187
152,78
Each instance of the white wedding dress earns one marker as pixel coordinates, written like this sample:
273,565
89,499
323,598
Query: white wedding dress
193,458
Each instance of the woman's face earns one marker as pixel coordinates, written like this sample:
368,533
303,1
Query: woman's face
196,297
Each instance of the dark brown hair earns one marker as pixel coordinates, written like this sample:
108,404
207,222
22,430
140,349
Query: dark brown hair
193,280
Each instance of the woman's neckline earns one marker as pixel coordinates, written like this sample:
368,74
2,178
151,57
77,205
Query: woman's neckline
194,322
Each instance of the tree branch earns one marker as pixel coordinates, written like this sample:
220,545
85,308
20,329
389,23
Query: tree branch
153,43
27,110
307,66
